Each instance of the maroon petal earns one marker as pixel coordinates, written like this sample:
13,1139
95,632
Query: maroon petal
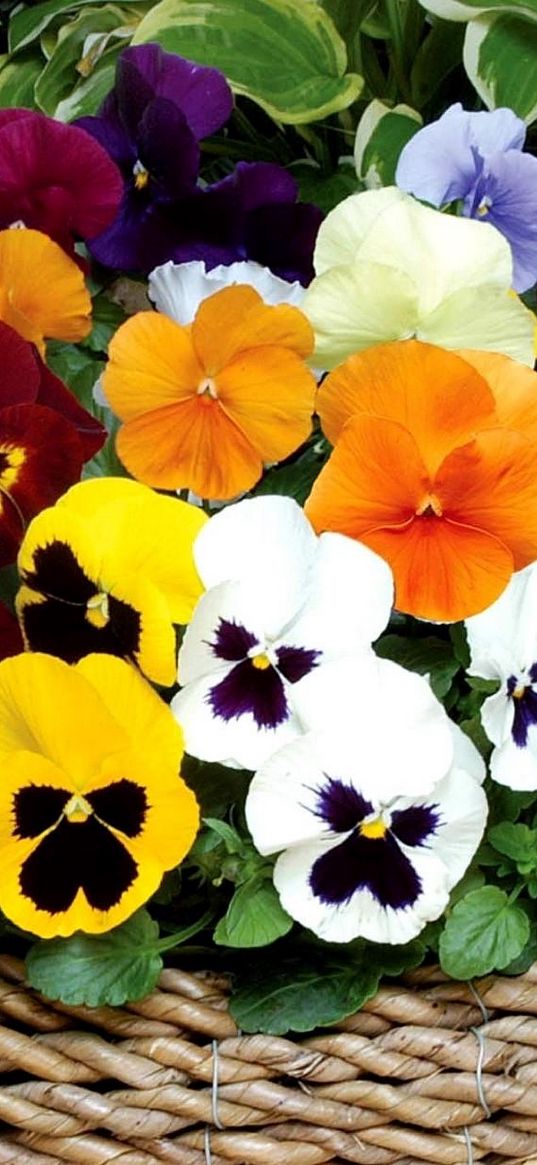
54,394
40,457
55,178
19,373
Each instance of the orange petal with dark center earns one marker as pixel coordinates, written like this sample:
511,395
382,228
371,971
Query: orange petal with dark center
236,319
443,571
374,477
192,445
440,398
491,483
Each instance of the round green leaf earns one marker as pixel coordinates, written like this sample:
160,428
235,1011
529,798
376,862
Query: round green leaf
17,81
284,54
254,917
483,933
499,56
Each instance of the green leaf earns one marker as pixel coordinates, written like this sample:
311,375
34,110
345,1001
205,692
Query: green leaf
325,190
474,729
429,656
499,56
106,317
507,804
295,477
17,81
284,54
459,639
27,24
382,132
517,842
211,783
254,916
438,55
323,987
484,932
78,368
113,968
232,840
68,61
470,9
88,95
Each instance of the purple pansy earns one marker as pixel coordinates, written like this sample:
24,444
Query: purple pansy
477,158
151,124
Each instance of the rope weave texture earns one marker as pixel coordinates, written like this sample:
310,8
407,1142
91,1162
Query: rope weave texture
430,1072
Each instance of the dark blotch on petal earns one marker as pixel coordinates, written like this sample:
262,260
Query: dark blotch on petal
254,690
123,805
56,572
363,863
36,808
296,662
77,855
525,709
62,629
341,806
414,825
232,641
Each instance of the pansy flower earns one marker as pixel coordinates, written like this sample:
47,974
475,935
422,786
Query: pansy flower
205,406
45,436
503,647
151,124
109,569
388,268
42,291
254,214
55,178
11,641
477,158
363,855
92,807
178,289
434,469
263,655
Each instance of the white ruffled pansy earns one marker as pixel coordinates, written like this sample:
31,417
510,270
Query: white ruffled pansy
389,268
177,289
283,610
503,647
358,859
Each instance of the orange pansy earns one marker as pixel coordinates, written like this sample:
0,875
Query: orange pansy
206,405
42,291
434,468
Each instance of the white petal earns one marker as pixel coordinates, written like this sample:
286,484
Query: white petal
345,227
463,809
439,252
363,916
388,718
466,756
363,303
267,540
516,767
239,742
503,638
283,795
177,289
497,716
230,602
349,599
483,317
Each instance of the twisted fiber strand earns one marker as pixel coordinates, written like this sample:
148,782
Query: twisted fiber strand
399,1005
12,1154
455,1094
16,1003
85,1150
30,1054
258,1148
96,1110
347,1145
186,1013
408,1053
198,1061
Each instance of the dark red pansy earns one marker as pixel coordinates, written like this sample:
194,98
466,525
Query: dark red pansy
40,457
11,641
55,178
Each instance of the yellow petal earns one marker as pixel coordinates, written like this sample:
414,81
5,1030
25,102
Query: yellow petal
42,291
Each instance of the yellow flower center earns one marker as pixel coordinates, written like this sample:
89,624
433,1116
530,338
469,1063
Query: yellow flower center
261,661
77,808
430,507
207,388
12,459
484,207
98,610
373,829
141,175
519,691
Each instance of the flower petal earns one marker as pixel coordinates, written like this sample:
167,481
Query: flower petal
177,289
152,364
481,317
236,319
29,261
269,394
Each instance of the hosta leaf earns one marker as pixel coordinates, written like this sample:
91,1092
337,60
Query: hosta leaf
499,56
284,54
65,67
28,24
382,132
17,81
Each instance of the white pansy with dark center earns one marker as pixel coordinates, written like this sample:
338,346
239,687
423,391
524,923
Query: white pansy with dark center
361,856
503,647
282,609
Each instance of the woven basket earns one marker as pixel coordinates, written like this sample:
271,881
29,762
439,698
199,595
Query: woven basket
428,1071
